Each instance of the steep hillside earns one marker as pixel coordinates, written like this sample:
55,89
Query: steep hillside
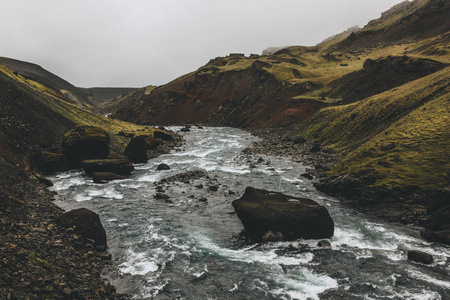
378,97
290,85
404,23
43,81
38,258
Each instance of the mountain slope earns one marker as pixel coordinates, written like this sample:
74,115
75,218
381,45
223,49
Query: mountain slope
404,23
42,80
379,98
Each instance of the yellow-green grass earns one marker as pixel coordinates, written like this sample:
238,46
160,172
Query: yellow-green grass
80,115
413,117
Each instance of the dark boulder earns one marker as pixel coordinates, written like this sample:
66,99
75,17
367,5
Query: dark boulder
324,244
299,140
86,223
85,142
104,177
163,167
121,166
307,176
136,150
315,148
162,135
213,188
49,162
420,256
261,211
185,129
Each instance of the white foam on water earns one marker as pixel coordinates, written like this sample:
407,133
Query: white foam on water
292,180
151,177
64,183
421,276
305,285
138,264
252,256
81,198
234,169
356,239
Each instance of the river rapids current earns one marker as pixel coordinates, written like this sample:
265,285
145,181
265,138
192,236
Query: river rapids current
184,248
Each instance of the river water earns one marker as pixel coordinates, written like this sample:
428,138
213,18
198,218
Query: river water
187,248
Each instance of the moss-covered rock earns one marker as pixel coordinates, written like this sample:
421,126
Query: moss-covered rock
261,211
85,142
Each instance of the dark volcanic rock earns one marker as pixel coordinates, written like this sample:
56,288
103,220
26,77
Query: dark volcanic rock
121,166
261,211
103,177
420,256
49,162
136,149
162,135
85,142
163,166
86,223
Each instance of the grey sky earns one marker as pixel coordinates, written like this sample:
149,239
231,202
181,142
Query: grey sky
137,42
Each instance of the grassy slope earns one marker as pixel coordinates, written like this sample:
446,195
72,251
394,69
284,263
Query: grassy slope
74,113
414,117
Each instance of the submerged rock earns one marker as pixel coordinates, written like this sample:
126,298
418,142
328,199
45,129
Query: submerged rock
162,167
420,256
104,177
86,223
261,211
121,166
85,142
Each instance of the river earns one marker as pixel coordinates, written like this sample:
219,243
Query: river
190,245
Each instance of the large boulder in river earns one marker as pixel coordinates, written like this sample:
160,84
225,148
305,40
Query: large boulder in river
85,142
121,166
86,223
261,211
136,149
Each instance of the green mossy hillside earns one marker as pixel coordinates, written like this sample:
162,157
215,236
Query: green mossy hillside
402,135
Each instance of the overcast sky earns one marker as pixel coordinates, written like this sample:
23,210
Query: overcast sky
142,42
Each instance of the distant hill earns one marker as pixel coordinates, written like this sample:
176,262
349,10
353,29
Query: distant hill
40,79
103,94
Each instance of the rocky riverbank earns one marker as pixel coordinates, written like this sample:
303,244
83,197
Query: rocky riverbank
40,258
426,208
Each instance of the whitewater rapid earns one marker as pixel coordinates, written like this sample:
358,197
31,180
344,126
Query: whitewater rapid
184,248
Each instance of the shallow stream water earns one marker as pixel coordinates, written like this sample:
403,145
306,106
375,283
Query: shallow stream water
184,248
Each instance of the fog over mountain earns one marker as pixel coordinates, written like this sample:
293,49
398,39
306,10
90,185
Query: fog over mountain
137,42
